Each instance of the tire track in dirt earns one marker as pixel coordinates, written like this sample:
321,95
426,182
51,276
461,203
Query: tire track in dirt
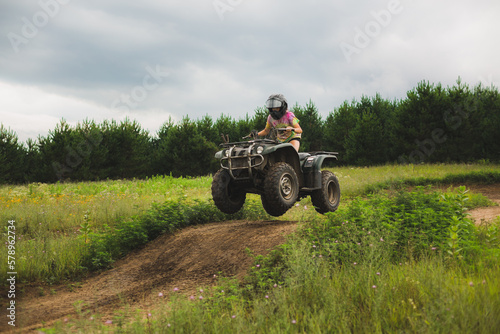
186,260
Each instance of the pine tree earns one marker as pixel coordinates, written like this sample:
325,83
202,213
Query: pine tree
11,157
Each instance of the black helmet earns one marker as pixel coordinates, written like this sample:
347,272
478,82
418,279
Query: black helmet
274,102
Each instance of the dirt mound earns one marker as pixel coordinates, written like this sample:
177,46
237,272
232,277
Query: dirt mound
185,260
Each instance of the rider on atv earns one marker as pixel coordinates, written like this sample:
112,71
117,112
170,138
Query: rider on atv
281,118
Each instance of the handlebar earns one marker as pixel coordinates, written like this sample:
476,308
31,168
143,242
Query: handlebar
255,136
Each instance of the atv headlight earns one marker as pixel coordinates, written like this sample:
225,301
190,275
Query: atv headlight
259,150
226,153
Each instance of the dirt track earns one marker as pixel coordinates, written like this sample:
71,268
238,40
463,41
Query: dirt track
186,260
486,214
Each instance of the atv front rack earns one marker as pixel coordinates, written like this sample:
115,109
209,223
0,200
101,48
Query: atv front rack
250,142
241,158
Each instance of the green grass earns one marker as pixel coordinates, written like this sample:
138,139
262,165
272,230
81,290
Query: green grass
63,230
431,295
62,206
50,219
357,181
53,218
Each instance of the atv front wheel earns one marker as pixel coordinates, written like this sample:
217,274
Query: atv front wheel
226,196
327,199
281,189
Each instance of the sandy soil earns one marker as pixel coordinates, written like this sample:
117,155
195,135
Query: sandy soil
484,215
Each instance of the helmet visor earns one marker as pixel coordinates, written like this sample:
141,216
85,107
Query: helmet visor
273,103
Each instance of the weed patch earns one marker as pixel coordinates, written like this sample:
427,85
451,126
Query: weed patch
408,225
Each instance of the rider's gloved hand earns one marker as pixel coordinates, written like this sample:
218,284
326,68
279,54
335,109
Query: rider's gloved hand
254,133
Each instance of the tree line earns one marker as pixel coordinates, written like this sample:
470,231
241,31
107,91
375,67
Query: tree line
431,124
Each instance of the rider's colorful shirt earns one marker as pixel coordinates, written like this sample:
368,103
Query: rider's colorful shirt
288,120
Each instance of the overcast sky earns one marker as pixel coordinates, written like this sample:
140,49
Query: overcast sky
151,60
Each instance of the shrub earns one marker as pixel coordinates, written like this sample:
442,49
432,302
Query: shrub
410,224
380,231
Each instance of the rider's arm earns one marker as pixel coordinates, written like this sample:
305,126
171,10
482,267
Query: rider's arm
264,132
296,128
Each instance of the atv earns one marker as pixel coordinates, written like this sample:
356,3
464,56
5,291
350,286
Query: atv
276,172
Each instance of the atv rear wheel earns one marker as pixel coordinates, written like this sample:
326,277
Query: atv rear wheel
281,189
226,196
327,199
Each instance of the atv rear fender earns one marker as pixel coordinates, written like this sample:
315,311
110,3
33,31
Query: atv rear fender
311,168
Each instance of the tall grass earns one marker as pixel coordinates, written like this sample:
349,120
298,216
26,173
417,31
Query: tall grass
51,219
51,257
357,181
54,221
62,206
380,264
434,294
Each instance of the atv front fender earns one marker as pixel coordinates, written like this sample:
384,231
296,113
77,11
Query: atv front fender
284,152
273,148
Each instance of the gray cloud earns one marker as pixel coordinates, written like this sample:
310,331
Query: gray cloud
96,52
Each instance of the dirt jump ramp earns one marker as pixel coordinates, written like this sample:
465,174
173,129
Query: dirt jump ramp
187,260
